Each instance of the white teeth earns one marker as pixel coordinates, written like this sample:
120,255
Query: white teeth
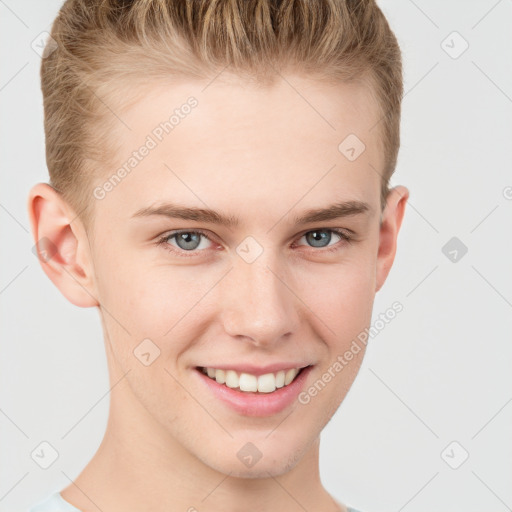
290,375
266,383
280,378
232,379
246,382
219,376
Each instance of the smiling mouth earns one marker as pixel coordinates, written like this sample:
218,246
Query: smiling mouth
248,383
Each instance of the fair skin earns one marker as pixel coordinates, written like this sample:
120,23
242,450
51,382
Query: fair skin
265,156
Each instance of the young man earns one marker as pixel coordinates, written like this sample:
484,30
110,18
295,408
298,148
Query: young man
219,191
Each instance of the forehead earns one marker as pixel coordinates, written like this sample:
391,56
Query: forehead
306,107
231,139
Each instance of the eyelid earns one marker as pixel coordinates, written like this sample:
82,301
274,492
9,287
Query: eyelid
345,234
163,239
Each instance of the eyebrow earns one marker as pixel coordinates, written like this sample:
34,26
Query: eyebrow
334,211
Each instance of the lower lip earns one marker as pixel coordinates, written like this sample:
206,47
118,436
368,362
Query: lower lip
257,404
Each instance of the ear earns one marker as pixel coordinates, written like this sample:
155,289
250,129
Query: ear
62,245
390,225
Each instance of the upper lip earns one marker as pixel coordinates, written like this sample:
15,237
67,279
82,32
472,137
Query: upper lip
257,370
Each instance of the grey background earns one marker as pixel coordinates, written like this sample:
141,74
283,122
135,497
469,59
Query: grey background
439,372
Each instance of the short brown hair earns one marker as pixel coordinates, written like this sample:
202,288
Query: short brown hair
104,43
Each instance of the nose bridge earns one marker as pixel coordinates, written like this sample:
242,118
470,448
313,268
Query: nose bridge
258,304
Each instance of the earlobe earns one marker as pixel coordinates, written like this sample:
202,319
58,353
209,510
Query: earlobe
59,243
391,221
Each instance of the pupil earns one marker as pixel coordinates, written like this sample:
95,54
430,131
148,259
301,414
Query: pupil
188,238
318,236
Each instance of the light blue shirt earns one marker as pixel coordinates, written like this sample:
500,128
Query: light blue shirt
53,503
56,503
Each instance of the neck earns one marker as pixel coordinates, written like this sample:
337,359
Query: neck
139,466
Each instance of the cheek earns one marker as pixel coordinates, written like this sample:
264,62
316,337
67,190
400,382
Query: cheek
132,303
341,296
132,289
166,305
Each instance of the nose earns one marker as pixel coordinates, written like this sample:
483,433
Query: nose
258,303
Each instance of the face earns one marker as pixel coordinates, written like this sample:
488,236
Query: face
261,285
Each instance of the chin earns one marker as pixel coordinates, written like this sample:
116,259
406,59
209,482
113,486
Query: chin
262,469
267,460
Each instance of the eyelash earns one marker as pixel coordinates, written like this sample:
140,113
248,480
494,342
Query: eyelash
163,241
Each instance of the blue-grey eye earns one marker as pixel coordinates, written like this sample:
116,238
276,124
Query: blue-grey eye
188,240
319,238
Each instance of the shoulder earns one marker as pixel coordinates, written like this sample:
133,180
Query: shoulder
345,507
53,503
